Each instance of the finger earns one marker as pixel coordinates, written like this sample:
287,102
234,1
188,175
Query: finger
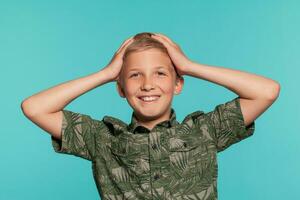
166,43
165,37
125,44
163,40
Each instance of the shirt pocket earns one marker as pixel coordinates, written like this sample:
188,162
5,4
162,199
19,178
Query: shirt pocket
119,146
181,144
123,153
182,156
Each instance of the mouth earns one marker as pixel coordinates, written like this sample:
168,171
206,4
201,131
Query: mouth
149,99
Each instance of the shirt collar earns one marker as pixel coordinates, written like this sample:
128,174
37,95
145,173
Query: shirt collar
134,126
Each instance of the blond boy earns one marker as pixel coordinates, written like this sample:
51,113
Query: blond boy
154,156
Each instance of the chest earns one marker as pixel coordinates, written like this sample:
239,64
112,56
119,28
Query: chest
160,154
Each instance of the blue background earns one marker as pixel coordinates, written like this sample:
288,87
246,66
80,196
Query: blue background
44,43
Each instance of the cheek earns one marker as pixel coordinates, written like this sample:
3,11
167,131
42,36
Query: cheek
167,86
131,87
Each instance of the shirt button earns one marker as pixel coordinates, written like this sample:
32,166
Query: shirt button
154,146
123,150
156,176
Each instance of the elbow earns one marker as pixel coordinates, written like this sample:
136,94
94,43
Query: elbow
27,108
24,107
274,91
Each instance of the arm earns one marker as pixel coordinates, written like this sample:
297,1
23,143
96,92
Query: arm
45,108
256,93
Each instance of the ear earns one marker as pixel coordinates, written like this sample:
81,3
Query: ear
179,85
120,89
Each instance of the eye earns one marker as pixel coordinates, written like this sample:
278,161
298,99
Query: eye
161,73
133,75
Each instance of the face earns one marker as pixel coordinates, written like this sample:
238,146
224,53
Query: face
149,74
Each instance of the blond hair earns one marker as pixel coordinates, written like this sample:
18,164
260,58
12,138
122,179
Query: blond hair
143,41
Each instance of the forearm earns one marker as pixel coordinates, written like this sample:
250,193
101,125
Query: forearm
246,85
57,97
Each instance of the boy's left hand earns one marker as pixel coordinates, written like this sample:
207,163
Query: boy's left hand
180,61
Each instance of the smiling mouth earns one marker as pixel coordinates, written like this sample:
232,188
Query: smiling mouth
149,99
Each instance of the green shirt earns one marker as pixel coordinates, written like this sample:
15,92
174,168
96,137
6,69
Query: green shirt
172,161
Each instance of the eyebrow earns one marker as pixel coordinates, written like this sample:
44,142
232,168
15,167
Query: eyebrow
157,67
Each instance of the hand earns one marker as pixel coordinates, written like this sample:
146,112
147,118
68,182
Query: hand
180,61
115,65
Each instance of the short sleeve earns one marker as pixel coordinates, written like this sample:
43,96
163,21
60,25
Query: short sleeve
77,135
227,124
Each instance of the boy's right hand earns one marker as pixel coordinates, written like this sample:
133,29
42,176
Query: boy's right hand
115,65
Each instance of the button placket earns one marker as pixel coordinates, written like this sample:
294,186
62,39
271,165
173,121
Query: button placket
155,153
156,176
154,146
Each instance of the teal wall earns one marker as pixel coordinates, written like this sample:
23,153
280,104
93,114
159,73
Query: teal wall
44,43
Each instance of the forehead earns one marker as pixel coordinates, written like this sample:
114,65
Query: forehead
146,59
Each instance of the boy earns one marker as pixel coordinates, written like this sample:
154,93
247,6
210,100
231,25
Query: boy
155,156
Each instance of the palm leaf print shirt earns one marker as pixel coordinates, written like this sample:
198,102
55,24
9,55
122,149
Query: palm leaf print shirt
172,161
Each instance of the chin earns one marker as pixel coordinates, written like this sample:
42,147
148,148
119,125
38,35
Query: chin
151,113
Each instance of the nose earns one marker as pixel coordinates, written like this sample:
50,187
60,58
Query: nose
147,84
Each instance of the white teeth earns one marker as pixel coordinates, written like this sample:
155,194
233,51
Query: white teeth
150,98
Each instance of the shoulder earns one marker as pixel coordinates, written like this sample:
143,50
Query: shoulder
114,125
193,117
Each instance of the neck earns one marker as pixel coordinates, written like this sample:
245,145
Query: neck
151,122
